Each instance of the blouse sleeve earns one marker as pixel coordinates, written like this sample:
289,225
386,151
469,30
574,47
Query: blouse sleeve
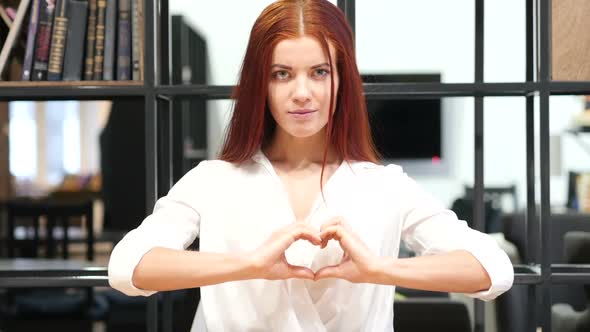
429,228
174,224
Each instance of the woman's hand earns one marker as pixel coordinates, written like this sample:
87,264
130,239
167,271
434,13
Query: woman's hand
358,263
269,259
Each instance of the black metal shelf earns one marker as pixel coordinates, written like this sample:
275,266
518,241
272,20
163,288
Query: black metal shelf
570,274
81,278
196,91
98,277
27,272
98,91
527,275
569,88
12,91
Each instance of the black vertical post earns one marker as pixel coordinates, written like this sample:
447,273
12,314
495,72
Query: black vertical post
151,130
545,76
164,46
164,184
531,236
90,230
164,146
530,240
165,133
478,206
348,7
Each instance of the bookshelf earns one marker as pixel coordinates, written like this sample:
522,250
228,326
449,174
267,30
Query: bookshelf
157,91
72,40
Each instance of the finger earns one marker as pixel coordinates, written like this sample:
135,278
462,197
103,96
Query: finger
336,232
295,232
336,221
307,233
345,255
300,272
332,271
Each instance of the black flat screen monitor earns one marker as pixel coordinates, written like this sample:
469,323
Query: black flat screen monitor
406,128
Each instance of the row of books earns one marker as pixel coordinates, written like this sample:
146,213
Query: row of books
73,40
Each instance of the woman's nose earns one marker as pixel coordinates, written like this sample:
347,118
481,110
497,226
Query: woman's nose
302,91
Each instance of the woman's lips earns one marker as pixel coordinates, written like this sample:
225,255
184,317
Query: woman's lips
302,114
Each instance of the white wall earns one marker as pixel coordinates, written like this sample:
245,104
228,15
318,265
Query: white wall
396,36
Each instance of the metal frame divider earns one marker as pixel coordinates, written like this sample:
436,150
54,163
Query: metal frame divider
544,78
530,220
478,176
151,79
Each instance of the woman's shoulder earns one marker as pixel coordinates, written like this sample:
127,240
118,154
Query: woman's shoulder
369,168
217,166
220,169
383,179
210,174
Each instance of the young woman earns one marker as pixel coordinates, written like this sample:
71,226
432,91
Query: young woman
299,225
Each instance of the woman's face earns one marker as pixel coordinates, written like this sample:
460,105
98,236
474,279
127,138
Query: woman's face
299,88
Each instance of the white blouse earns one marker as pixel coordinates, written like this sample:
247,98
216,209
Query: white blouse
235,208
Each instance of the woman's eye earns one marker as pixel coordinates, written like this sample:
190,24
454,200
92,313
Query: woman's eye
321,72
281,75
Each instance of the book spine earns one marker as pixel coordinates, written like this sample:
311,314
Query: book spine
11,13
12,38
43,41
140,4
7,20
58,42
134,41
30,48
99,46
109,40
124,41
74,59
90,40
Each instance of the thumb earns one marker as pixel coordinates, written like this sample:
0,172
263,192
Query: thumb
332,271
300,272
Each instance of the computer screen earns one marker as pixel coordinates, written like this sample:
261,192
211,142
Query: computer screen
406,129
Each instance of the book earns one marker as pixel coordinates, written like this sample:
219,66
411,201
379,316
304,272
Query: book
141,37
13,34
58,41
5,18
30,48
74,59
3,34
108,67
124,41
99,45
11,13
90,40
134,41
43,40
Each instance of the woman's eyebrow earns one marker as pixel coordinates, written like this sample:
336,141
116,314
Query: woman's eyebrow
278,65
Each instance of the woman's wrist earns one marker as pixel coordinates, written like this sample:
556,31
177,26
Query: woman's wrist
382,271
249,266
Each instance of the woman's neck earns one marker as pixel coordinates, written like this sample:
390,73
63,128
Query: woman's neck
299,152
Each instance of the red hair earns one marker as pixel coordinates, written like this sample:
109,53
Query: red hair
252,125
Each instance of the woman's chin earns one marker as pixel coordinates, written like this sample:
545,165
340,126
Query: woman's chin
307,133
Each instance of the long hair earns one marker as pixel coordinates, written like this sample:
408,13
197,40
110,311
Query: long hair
252,125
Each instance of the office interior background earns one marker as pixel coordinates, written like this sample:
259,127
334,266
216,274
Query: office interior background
92,148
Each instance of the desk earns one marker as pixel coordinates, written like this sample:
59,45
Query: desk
24,272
